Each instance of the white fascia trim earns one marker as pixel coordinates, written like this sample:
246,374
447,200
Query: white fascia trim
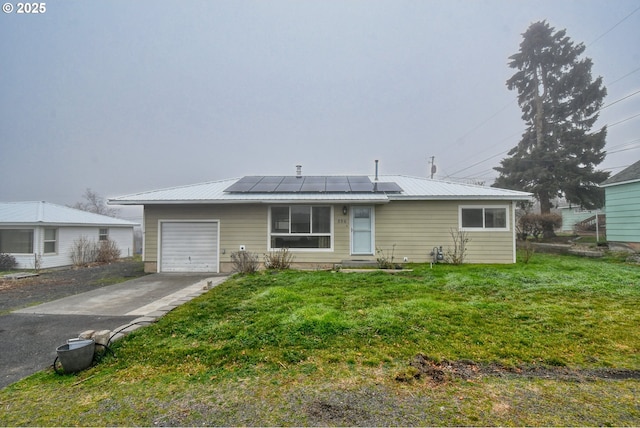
620,182
462,198
259,201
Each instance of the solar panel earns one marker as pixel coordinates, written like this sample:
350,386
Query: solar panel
388,187
239,187
338,184
360,184
272,179
267,185
314,184
244,184
293,187
311,184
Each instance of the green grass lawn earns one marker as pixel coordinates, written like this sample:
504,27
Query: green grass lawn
331,348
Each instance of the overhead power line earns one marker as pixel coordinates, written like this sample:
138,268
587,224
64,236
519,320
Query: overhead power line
623,120
621,99
618,23
637,146
625,76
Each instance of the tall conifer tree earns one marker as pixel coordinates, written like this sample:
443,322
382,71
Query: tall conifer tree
558,153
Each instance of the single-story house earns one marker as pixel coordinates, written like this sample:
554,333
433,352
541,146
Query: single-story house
322,220
42,234
622,201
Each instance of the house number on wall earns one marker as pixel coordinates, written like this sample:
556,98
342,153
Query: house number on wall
343,221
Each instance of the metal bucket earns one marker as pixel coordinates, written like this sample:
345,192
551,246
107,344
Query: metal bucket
76,355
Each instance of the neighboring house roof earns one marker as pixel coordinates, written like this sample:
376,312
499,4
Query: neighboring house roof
627,175
411,188
39,213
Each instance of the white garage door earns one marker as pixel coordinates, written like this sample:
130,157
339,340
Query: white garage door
188,246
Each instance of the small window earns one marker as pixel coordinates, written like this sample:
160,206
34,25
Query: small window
483,218
50,241
103,234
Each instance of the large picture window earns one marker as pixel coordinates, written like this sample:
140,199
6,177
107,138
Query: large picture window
17,241
484,218
300,226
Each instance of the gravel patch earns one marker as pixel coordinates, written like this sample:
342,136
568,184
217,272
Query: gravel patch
55,284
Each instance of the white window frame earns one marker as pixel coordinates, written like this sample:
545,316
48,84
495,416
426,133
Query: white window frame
270,234
483,228
103,236
45,241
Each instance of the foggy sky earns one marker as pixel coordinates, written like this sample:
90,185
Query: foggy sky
127,96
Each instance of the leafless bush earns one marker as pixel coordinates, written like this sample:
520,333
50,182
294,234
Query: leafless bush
245,262
384,260
108,251
83,251
279,259
459,252
527,251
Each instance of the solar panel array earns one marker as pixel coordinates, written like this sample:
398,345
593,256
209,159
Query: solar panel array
311,184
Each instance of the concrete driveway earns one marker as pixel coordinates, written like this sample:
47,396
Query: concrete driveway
30,336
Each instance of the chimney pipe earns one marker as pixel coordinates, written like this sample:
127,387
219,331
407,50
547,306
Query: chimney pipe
299,171
376,169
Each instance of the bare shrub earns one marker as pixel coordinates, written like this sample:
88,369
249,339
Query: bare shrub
108,251
245,262
527,251
83,251
459,252
279,259
385,260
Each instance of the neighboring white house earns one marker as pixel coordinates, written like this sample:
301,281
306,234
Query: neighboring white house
41,234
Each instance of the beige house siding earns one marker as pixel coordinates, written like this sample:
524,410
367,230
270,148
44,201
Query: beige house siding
415,227
239,225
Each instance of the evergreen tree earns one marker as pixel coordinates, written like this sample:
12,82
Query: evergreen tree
560,101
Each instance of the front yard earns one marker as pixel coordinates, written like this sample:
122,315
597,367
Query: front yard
551,342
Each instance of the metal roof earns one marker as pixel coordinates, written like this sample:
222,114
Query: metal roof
39,212
413,188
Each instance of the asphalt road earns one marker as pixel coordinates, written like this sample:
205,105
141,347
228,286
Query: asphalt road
29,337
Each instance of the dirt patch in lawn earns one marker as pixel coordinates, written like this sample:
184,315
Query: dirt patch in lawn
55,284
442,371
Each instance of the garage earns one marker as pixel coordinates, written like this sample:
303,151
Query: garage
189,246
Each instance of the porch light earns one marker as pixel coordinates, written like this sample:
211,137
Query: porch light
345,210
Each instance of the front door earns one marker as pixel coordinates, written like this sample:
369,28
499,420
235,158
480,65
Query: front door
362,230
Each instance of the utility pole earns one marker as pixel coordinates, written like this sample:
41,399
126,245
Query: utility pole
433,166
